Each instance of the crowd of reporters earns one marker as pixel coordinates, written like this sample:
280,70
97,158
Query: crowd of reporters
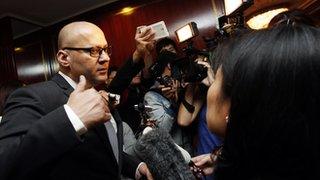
250,112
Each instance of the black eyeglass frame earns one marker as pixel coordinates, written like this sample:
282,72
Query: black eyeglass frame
94,51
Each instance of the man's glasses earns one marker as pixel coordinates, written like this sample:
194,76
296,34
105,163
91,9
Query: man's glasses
94,51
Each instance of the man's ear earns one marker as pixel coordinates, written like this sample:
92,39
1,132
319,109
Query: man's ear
63,58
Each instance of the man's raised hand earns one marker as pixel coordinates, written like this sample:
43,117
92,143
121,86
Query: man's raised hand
88,104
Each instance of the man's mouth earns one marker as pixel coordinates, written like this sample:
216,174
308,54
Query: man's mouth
102,70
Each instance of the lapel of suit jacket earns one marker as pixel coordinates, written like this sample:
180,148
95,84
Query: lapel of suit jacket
99,129
63,84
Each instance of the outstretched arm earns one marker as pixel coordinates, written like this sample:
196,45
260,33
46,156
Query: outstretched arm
192,98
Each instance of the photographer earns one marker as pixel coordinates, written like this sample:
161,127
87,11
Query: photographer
163,95
193,108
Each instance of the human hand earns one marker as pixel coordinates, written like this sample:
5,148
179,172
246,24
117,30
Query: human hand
144,43
175,88
89,105
210,75
170,92
197,171
204,162
166,91
144,170
185,84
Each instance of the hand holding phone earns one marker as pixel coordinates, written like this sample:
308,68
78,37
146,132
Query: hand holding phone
197,171
159,28
144,43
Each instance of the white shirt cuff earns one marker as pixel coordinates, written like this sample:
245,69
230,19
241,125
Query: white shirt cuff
75,121
138,174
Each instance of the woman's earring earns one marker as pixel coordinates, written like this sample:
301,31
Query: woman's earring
227,119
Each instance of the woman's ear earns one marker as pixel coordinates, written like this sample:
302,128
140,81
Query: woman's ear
63,58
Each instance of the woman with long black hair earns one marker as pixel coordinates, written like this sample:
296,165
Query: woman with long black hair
266,99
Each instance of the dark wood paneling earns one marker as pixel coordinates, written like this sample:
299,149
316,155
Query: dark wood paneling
31,64
38,49
7,66
119,30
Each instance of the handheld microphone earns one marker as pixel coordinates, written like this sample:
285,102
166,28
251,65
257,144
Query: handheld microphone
158,150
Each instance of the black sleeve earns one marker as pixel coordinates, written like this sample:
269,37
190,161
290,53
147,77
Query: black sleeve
31,138
130,165
124,76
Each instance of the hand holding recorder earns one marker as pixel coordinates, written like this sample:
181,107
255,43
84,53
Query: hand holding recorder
88,104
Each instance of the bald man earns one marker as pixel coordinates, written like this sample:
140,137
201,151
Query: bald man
63,128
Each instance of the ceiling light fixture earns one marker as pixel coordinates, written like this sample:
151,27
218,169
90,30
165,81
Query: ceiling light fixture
18,49
127,11
262,20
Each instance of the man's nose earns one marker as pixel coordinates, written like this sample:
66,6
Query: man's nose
104,57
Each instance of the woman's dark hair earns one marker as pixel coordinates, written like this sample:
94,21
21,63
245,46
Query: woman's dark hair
163,43
272,78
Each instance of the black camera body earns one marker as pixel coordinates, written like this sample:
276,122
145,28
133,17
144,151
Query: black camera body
195,72
163,59
184,69
167,81
190,70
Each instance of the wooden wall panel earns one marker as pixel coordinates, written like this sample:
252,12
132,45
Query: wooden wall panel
7,65
36,61
31,64
120,29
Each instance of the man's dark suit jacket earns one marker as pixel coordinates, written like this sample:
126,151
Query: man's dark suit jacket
38,141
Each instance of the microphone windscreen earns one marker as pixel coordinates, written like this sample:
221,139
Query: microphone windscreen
157,149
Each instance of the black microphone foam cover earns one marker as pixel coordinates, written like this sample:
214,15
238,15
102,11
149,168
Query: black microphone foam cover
157,149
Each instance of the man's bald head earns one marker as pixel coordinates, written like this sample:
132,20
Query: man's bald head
80,34
76,41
